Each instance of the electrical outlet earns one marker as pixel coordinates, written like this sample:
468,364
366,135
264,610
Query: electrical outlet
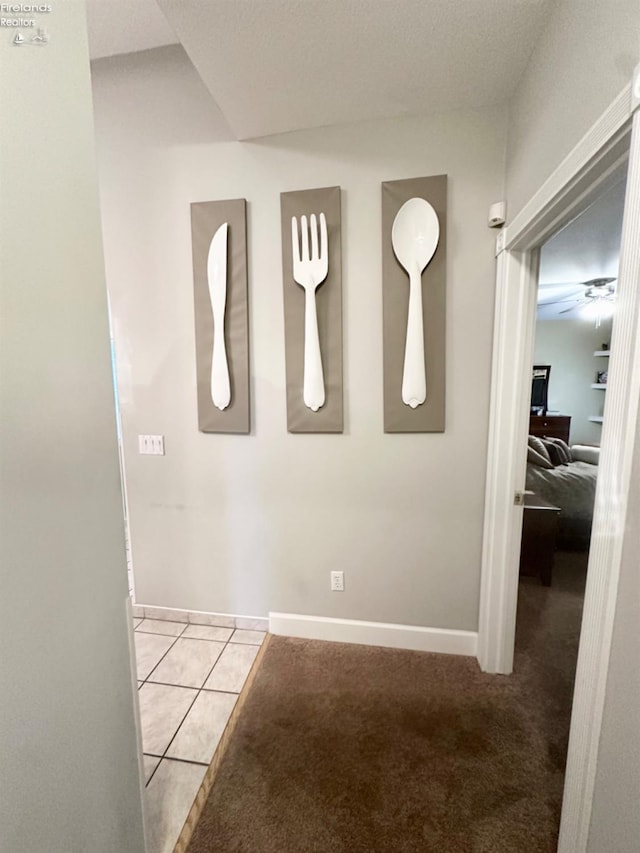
337,581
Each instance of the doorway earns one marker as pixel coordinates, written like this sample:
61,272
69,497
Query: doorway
574,316
612,141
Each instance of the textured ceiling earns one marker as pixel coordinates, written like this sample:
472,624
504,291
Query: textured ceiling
279,65
126,26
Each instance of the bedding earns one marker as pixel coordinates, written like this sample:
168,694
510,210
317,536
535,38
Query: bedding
572,487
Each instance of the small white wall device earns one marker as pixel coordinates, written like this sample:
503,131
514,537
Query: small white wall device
497,214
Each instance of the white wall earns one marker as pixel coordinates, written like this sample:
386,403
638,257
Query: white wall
615,819
69,779
583,60
568,346
251,524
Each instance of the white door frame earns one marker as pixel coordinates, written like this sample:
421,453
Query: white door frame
579,178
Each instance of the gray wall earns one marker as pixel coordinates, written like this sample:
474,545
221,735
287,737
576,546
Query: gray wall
67,737
615,820
251,524
568,346
584,59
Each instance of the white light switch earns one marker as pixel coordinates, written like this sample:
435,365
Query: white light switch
151,445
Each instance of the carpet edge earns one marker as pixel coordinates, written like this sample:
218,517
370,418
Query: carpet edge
209,777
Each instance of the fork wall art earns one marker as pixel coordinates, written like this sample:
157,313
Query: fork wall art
219,245
312,281
414,216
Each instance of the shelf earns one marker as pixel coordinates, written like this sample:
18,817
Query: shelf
595,419
602,352
602,385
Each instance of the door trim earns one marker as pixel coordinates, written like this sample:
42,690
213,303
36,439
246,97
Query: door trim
582,175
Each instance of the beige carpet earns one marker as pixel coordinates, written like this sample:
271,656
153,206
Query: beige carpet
351,749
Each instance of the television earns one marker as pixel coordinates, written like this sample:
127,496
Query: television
540,388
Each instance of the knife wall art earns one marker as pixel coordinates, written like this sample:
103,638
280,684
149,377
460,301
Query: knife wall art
414,215
219,246
312,287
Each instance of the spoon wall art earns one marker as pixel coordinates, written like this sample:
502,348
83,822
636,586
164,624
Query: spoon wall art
414,237
414,280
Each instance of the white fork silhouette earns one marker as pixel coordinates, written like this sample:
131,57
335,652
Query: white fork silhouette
310,268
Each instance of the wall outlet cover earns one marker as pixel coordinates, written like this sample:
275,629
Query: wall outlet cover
337,581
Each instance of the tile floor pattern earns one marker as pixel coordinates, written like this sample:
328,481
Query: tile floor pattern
189,678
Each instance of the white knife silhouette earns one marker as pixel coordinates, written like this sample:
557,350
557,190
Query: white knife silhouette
217,279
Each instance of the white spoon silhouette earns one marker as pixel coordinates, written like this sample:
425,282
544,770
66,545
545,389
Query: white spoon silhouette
414,236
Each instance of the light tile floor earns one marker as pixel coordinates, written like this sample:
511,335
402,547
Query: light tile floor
189,678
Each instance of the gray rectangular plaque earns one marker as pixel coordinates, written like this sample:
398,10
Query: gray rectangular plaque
206,218
329,418
430,415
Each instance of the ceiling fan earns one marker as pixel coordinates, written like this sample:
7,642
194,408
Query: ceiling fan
596,292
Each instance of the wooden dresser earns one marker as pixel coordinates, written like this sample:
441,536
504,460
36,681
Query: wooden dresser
555,426
539,530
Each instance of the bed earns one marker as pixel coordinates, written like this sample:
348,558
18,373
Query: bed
572,487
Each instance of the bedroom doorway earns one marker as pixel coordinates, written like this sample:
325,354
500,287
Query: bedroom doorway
575,310
614,139
575,315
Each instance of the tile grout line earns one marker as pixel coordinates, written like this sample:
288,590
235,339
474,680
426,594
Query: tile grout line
181,760
153,669
197,806
199,690
184,687
162,633
204,639
146,681
164,754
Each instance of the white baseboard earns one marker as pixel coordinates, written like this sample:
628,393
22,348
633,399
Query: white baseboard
441,640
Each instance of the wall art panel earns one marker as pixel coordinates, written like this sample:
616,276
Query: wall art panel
219,244
312,283
414,216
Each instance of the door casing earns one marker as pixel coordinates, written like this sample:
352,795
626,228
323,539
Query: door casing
593,164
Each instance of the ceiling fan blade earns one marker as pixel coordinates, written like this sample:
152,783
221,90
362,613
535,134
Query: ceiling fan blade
559,294
558,302
545,284
597,282
573,307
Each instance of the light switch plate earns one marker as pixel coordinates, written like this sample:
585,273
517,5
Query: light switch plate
151,445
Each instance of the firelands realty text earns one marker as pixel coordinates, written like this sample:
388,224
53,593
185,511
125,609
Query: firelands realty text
17,8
